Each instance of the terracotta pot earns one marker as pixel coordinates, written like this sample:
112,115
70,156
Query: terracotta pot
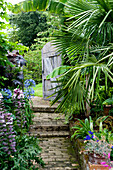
97,167
97,159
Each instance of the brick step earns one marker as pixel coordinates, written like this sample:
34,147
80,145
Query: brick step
44,134
60,127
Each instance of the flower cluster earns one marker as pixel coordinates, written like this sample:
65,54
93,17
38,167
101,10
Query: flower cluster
19,109
7,134
18,94
90,136
29,82
7,93
29,91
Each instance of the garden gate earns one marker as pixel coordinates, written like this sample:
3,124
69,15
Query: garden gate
50,60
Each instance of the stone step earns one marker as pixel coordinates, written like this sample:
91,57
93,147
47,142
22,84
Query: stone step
43,116
59,127
39,104
44,108
59,167
49,134
54,119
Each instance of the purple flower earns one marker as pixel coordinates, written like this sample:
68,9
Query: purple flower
97,140
6,149
2,121
9,152
5,144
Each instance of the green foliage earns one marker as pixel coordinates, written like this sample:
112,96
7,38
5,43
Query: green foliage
5,45
97,127
108,101
33,68
82,127
28,151
27,25
84,41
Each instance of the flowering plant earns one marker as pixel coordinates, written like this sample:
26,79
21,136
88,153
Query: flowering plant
98,145
29,91
17,149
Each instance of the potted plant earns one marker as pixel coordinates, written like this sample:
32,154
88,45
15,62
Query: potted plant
98,149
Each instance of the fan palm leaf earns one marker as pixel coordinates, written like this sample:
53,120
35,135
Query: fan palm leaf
93,19
73,83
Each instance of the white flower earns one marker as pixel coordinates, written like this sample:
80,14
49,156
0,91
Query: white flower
20,96
1,96
14,96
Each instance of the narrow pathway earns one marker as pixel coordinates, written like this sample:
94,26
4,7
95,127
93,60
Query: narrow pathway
57,151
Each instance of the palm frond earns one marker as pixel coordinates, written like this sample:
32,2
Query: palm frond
41,5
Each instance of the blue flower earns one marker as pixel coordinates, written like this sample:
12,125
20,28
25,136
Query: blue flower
87,137
7,93
92,136
91,133
29,82
29,92
97,140
112,147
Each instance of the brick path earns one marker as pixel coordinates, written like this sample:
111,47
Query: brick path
57,151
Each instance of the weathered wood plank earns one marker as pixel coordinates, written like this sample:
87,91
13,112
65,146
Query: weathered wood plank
50,60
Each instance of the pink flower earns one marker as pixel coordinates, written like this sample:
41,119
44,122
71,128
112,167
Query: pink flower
102,163
105,165
108,155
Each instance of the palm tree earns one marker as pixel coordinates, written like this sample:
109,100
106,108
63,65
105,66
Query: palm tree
87,43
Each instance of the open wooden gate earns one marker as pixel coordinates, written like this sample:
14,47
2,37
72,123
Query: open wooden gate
50,60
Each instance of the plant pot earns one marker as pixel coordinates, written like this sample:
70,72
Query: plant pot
97,167
107,108
95,161
96,158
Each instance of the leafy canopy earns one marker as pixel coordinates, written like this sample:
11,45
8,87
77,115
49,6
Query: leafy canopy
27,25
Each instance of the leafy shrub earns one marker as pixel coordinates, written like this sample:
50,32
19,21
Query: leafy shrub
33,69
